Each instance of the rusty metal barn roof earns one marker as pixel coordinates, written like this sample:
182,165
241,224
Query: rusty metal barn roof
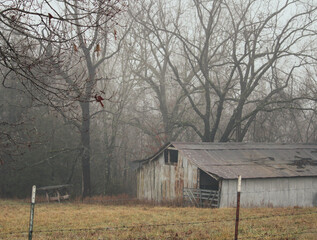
228,160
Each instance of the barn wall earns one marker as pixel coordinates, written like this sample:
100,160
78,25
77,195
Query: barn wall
271,192
162,182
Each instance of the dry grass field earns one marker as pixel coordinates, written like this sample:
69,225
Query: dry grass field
99,221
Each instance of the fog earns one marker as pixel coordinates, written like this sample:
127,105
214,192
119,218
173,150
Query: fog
90,86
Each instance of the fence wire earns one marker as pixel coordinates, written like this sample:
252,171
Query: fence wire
271,236
124,228
278,236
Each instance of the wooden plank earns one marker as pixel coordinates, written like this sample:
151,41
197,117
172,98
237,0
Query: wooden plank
55,187
65,197
47,197
53,198
203,196
59,198
192,197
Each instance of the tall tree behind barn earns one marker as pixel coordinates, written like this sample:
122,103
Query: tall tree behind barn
234,61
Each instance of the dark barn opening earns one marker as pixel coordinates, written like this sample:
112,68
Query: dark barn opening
171,156
207,182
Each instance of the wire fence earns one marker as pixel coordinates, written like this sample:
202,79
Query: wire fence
154,225
142,227
271,236
88,201
278,236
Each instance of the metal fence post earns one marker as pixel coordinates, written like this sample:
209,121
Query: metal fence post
238,209
32,212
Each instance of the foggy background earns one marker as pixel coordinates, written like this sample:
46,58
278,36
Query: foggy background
88,86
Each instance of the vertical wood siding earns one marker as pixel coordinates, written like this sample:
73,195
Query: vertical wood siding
158,181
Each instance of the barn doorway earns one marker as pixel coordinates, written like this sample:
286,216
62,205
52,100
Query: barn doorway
207,182
207,195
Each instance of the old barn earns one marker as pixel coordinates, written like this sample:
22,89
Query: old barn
276,175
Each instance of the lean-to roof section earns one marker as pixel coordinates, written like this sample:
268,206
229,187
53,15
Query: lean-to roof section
228,160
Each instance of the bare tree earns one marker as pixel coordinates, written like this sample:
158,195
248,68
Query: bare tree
56,49
243,55
149,65
111,120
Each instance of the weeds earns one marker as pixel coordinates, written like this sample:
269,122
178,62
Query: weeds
76,220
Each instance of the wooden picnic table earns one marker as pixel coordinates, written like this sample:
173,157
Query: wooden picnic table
57,192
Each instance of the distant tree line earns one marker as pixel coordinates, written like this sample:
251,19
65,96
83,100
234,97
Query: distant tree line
88,86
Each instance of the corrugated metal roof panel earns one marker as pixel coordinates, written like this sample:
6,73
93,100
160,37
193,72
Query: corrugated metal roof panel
228,160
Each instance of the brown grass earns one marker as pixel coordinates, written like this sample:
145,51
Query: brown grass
98,221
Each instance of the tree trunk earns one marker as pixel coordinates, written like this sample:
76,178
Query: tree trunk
107,175
108,167
85,139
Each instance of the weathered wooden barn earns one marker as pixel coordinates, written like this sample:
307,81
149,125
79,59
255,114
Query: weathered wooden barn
276,175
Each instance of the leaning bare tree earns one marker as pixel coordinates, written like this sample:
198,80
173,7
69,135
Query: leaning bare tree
56,49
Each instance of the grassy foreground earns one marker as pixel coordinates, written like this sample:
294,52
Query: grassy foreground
93,221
